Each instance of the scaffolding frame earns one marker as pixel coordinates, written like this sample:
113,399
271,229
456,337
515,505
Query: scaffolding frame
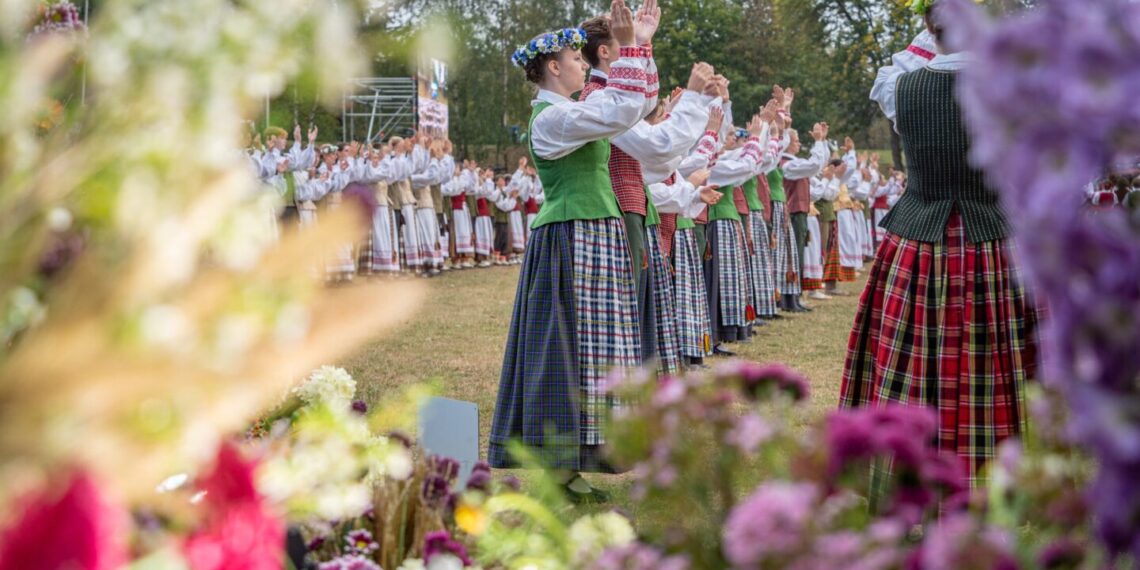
376,107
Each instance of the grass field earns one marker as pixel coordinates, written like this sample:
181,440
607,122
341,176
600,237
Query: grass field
456,340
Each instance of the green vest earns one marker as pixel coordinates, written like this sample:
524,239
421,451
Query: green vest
652,218
776,184
750,195
725,209
290,188
577,186
826,211
940,178
685,223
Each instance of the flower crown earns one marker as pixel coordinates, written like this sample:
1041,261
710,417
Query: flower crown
552,42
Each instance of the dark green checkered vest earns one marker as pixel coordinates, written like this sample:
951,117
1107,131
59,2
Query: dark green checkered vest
939,177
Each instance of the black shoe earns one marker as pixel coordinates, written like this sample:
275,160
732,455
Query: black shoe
580,492
775,317
694,361
720,350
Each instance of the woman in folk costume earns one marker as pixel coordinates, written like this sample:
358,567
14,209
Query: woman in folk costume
865,179
401,183
502,204
759,258
944,321
380,253
479,189
342,265
462,235
848,221
881,203
445,235
694,328
519,190
278,166
725,266
429,173
645,143
825,196
534,199
824,189
575,314
797,174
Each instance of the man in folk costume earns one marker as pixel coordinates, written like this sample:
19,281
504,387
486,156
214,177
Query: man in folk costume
575,313
653,144
797,174
725,262
946,259
278,166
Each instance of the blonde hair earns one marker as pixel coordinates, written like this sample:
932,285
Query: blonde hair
275,132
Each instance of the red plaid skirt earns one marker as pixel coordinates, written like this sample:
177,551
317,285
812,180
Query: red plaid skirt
832,270
950,326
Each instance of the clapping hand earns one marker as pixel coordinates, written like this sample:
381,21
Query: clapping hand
312,135
621,24
700,76
645,22
716,119
699,177
848,145
819,132
297,133
709,195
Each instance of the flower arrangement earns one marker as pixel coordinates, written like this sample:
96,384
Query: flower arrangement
552,42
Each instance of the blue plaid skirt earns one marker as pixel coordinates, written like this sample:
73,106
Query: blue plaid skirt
724,281
665,310
575,319
693,326
787,258
760,267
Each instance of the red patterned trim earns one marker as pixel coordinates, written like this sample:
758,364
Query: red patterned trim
627,73
651,94
629,51
925,54
713,135
646,50
654,78
627,87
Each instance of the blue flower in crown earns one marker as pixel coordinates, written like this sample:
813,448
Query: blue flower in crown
573,38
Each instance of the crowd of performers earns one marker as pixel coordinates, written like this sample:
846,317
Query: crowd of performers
428,212
667,232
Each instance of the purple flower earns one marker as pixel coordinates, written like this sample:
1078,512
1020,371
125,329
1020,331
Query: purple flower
638,556
759,381
435,491
440,543
359,407
1062,553
316,543
959,541
769,524
360,542
480,478
444,467
512,482
349,562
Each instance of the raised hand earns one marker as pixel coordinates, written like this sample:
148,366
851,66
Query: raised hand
848,145
778,95
755,126
716,119
646,21
789,98
297,133
863,156
312,134
700,76
709,195
621,24
676,93
875,160
770,112
819,132
699,177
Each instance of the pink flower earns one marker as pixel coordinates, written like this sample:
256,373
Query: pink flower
759,381
749,432
78,529
239,531
770,524
440,543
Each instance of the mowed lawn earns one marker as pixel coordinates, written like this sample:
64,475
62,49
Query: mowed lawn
456,341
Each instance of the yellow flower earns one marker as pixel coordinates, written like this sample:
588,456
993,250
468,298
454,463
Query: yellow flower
471,519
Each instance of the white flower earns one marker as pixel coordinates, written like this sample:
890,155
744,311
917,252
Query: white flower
445,562
412,564
592,534
329,384
59,219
